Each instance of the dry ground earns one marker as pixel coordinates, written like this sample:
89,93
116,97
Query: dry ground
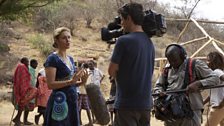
7,111
7,108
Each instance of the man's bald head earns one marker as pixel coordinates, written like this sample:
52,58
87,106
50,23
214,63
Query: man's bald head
175,55
176,50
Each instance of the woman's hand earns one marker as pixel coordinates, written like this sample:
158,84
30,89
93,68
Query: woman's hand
85,76
80,75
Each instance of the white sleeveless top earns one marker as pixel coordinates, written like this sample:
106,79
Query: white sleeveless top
217,94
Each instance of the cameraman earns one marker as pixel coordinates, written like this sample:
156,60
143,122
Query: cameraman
132,65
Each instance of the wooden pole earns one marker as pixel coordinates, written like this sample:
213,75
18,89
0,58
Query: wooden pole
219,42
217,47
202,30
201,21
194,40
162,63
12,116
201,48
182,32
188,17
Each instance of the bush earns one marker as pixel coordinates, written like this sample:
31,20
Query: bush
41,44
58,14
4,47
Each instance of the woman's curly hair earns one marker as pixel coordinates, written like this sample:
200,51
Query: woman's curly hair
216,60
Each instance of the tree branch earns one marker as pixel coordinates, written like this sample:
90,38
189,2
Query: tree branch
193,9
33,4
182,32
24,7
2,2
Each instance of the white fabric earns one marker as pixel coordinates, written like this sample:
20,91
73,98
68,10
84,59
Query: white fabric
95,76
217,94
42,72
82,89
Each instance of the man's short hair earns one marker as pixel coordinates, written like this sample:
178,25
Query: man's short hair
33,61
134,10
24,60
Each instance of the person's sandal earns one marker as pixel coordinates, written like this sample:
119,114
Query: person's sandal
17,122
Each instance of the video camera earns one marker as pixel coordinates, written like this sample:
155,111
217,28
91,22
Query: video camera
153,25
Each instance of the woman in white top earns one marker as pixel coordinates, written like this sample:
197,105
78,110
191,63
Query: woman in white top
215,61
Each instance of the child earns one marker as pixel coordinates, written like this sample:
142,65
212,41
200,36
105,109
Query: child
83,100
42,95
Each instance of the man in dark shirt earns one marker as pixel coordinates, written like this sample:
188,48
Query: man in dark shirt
132,66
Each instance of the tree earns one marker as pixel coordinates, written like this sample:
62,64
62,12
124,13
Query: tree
187,13
10,9
187,7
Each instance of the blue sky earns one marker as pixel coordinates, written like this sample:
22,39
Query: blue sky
211,9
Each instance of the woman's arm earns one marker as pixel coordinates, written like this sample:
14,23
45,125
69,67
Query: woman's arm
53,84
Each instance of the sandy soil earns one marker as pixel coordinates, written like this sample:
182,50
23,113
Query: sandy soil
6,111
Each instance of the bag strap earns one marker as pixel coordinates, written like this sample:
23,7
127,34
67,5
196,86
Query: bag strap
189,72
165,75
191,69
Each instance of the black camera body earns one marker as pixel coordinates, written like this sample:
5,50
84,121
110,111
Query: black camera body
153,25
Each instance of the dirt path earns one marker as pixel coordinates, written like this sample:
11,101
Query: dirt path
7,111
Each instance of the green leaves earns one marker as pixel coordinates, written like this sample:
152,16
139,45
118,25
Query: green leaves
13,9
39,42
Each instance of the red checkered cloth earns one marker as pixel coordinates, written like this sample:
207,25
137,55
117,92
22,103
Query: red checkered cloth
43,92
22,85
